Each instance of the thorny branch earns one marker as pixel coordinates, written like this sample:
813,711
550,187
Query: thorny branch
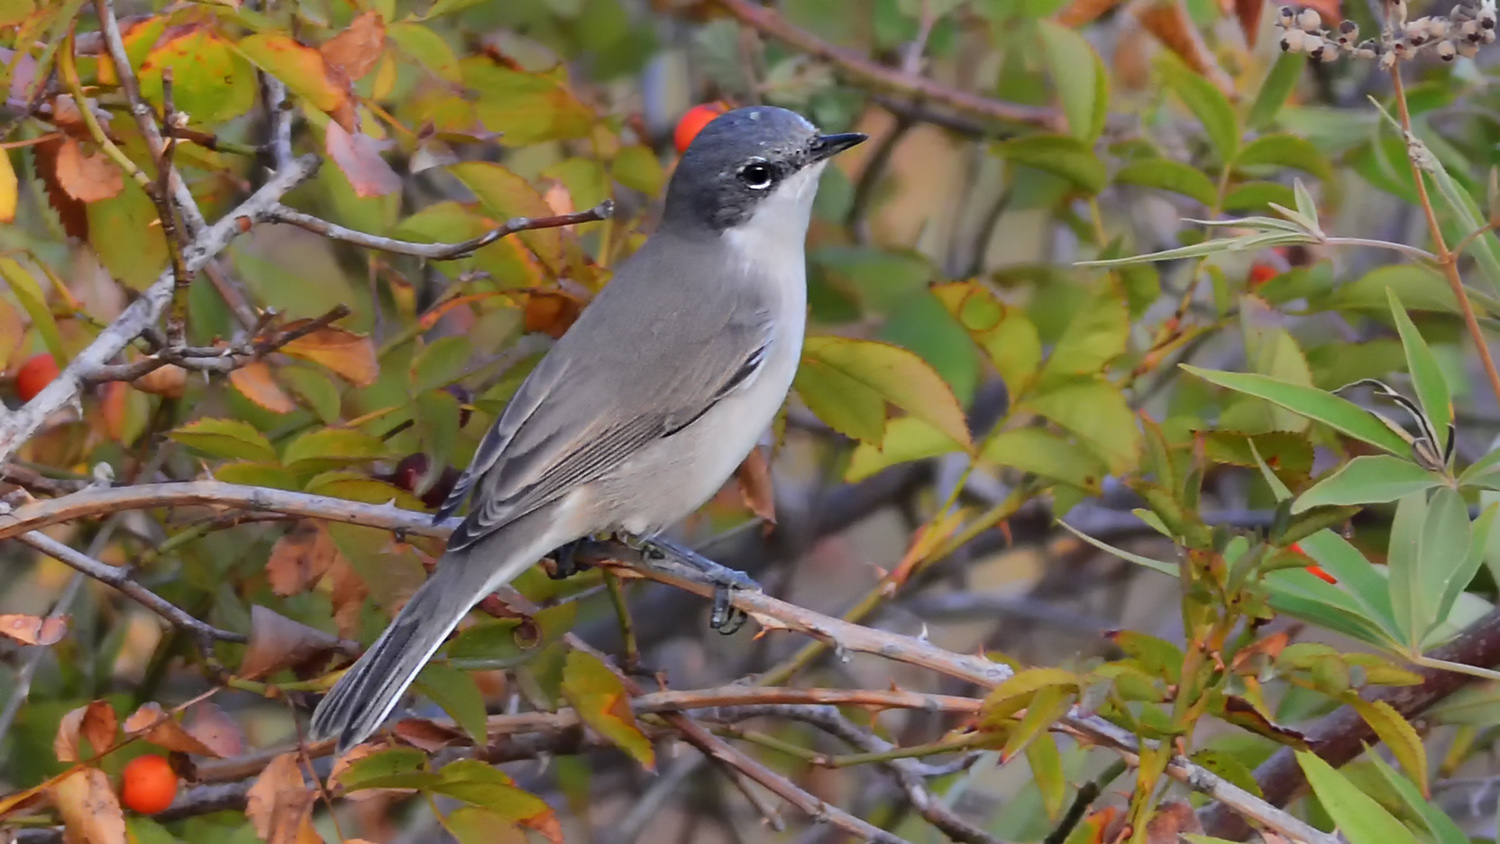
438,251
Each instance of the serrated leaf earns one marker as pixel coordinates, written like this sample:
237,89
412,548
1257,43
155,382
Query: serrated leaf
302,68
34,301
325,448
1369,479
1334,411
601,701
1165,174
456,693
1096,411
1396,733
1096,335
1004,332
906,439
858,369
1061,155
1041,452
226,438
1080,78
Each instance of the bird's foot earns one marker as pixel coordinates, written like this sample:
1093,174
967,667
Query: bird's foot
725,618
565,562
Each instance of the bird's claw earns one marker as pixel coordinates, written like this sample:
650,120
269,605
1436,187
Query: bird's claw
565,562
727,619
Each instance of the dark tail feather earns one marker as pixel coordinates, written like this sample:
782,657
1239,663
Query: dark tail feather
363,698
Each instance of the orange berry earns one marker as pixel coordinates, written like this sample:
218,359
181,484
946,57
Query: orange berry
1261,272
36,373
693,122
148,785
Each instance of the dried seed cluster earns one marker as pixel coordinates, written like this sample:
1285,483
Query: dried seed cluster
1460,33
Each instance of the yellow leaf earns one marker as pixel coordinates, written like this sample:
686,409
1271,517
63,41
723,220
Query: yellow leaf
8,189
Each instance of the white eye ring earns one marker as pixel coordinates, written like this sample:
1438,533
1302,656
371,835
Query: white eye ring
757,175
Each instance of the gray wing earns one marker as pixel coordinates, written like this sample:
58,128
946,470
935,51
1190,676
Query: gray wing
632,370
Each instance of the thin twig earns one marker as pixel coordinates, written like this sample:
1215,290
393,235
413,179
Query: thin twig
863,70
161,194
437,251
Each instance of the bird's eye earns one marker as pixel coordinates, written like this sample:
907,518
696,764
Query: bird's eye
756,175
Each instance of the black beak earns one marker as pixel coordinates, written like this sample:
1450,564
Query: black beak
827,146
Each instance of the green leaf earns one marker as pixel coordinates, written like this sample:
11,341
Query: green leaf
1370,479
1450,576
1096,411
301,67
477,783
1419,288
1080,79
1338,413
1395,732
272,475
845,373
1356,814
471,824
1426,374
906,439
1354,573
326,448
354,486
1257,196
1275,89
1404,559
316,389
34,300
456,693
1285,150
1061,155
124,232
528,107
601,701
1168,569
637,167
1096,335
1206,102
427,48
1046,706
440,363
382,763
503,643
226,438
504,194
1041,452
1003,331
1165,174
211,83
1442,827
1047,771
1209,247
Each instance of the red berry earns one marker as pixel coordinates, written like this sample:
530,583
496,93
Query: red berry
1261,272
693,122
148,784
409,471
37,372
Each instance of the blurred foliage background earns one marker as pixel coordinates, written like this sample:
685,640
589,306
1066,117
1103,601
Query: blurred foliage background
1003,283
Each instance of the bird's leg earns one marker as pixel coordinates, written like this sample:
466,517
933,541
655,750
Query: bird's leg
726,618
565,562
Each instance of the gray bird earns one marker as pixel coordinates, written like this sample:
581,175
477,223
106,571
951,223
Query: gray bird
644,408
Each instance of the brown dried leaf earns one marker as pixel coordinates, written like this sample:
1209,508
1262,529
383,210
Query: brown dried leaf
1170,22
95,721
277,642
157,726
72,213
552,312
754,479
300,558
358,157
87,177
280,804
257,383
425,735
355,50
348,594
169,381
1080,12
351,355
1248,13
212,727
32,629
1172,820
90,811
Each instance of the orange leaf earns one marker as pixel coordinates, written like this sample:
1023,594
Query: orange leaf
1169,21
90,811
1248,13
551,311
754,479
1172,820
94,721
87,178
305,72
279,804
72,213
355,50
437,311
349,354
169,381
601,701
928,538
32,629
277,642
358,158
257,383
300,558
1080,12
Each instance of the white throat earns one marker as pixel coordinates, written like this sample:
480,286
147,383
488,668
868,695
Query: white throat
774,235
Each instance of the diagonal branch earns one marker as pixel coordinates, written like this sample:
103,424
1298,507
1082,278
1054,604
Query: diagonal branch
18,426
861,69
438,251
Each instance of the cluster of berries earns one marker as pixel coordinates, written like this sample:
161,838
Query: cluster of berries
1460,33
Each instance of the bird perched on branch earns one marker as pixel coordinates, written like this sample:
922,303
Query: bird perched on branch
644,408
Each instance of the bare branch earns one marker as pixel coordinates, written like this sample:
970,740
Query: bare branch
18,426
863,70
120,579
438,251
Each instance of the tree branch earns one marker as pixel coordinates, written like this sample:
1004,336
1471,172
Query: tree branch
437,251
16,427
863,70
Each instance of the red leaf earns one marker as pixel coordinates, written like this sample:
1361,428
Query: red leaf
358,156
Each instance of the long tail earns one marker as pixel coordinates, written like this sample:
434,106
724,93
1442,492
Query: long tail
363,698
